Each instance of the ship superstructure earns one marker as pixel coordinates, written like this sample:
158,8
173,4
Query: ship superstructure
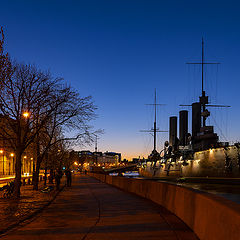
198,153
203,136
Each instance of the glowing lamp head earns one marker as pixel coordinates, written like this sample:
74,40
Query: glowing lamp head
26,114
12,154
1,151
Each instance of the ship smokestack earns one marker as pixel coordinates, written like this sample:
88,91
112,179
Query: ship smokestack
183,127
196,118
173,131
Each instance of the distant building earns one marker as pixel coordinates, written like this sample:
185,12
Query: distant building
114,154
87,156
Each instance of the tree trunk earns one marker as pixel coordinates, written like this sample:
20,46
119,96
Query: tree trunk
46,168
38,163
36,175
51,176
18,167
45,176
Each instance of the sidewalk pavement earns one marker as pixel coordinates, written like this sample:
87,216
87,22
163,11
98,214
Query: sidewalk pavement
94,210
13,212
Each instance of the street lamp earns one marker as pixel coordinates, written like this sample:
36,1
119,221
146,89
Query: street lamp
26,114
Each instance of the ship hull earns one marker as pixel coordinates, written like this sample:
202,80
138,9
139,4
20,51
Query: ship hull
218,162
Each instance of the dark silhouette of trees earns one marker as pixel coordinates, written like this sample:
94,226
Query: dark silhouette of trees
35,108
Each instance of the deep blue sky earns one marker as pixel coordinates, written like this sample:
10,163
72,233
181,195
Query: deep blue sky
119,51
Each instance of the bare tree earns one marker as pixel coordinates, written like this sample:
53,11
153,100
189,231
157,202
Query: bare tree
31,100
23,94
73,114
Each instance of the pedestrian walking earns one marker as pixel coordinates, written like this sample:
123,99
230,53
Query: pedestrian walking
58,176
68,174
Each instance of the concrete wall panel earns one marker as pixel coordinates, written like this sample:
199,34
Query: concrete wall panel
209,216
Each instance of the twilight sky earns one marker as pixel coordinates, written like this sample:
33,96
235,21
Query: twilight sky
119,51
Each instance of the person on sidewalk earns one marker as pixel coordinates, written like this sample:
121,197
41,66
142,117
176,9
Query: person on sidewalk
58,176
69,177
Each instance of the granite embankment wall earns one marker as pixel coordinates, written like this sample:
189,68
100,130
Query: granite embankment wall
209,216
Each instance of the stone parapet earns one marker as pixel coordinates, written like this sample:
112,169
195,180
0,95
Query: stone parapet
209,216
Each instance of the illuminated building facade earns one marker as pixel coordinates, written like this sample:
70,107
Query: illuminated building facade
99,157
7,154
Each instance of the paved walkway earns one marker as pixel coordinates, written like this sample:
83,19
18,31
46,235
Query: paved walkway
94,210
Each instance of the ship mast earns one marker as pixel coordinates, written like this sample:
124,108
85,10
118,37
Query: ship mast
202,63
203,99
155,124
154,130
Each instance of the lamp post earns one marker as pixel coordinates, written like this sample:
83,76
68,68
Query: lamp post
24,164
26,115
12,155
96,157
31,171
1,151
